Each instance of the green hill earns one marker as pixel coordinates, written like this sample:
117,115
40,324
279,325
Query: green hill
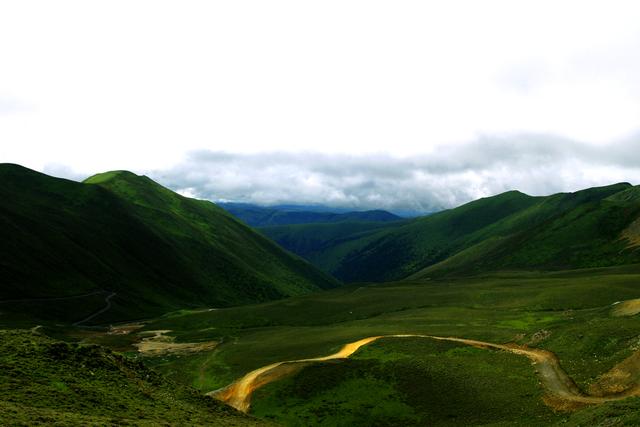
46,382
575,230
588,228
67,246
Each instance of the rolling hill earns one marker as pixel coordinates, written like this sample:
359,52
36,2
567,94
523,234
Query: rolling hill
590,228
125,241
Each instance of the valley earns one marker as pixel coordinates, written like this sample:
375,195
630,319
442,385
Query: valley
509,310
319,214
590,228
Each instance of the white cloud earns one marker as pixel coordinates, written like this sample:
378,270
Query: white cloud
448,177
11,105
139,84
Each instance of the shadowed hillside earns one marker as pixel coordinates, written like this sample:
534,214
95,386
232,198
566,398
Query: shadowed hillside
124,234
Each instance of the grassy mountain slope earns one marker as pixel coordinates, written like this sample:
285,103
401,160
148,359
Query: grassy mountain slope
45,382
219,238
400,252
125,234
577,230
258,216
508,231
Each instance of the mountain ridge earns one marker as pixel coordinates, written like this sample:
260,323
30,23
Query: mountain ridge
489,233
127,234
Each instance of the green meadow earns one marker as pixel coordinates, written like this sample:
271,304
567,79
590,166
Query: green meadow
415,380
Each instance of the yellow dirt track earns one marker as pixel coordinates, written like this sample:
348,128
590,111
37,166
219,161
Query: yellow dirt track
559,386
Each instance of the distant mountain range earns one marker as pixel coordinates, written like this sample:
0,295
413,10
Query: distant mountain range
123,234
260,216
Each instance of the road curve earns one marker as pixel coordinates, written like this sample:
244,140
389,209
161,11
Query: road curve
554,379
238,394
107,301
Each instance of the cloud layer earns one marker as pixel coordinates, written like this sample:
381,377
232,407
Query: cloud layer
350,77
194,95
446,177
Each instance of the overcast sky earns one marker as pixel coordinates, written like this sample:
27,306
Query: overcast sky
402,105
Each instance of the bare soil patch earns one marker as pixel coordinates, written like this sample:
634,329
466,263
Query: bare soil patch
626,308
160,344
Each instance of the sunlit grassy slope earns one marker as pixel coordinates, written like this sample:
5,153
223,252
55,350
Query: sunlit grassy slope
589,228
123,233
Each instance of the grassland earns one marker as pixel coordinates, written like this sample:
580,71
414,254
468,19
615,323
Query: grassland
568,313
45,382
409,381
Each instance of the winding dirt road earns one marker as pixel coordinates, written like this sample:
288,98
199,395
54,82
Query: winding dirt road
554,379
107,301
238,394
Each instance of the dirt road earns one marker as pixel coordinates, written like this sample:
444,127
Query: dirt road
107,301
555,380
238,394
